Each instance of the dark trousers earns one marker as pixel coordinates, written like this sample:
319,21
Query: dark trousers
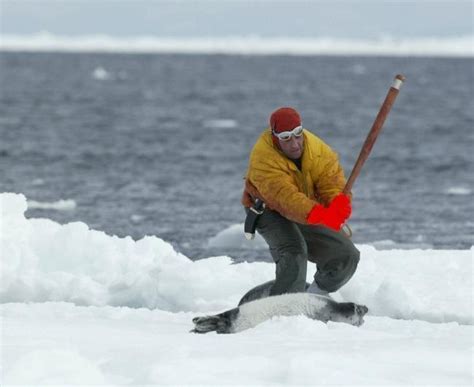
292,244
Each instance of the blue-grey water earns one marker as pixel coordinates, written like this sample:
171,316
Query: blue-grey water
134,141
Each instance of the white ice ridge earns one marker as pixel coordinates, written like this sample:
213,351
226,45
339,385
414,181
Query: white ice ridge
42,260
457,46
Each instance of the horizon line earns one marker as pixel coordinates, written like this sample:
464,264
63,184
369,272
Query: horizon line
455,46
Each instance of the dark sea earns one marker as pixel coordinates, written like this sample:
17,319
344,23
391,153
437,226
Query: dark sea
158,144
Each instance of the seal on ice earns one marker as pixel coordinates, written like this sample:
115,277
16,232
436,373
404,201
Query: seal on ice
252,313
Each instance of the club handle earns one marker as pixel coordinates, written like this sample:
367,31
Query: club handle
374,131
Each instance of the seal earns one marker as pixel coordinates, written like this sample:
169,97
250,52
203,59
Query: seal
252,313
260,291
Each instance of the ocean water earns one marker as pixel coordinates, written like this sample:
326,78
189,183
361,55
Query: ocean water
157,144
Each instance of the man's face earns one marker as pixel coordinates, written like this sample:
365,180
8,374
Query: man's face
293,148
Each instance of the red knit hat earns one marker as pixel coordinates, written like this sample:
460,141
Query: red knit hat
284,119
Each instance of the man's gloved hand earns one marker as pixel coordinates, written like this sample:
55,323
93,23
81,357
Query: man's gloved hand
333,216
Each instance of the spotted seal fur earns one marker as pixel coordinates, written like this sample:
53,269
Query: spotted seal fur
249,314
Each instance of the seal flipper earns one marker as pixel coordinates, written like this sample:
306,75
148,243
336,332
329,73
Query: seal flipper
221,323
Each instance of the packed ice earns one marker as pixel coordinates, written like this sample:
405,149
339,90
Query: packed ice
79,306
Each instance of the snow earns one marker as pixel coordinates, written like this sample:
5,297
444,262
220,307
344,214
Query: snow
63,343
82,307
456,46
45,261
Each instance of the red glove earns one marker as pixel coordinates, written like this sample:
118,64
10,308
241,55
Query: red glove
333,216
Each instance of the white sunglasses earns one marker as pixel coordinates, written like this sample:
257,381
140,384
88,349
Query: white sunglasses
286,136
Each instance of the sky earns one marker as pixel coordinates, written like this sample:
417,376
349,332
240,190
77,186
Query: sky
326,18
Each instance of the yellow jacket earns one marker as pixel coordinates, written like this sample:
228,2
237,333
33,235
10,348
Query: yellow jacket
274,178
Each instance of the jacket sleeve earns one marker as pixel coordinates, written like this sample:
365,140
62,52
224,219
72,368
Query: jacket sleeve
331,181
280,193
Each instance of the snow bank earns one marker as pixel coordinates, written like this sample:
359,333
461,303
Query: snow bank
430,285
459,46
44,261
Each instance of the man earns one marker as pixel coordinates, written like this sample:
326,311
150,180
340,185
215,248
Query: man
300,180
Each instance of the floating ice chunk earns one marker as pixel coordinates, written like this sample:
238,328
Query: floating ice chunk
388,244
101,74
233,237
136,218
221,123
358,69
37,181
60,205
458,191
